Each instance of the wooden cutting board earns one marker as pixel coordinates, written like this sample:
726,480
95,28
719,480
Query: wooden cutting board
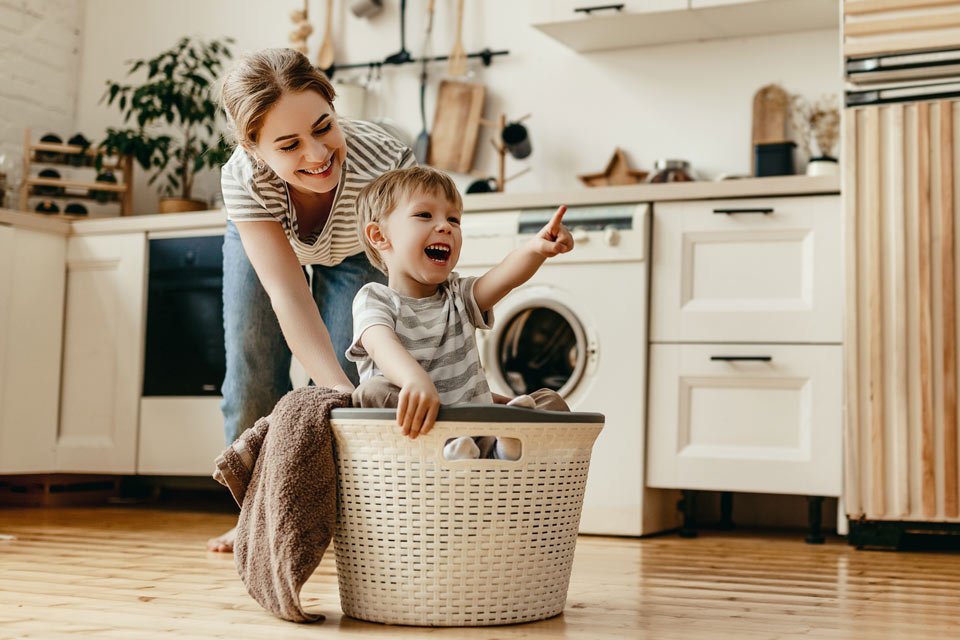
770,106
456,125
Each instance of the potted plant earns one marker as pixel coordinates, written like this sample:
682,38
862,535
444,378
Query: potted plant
175,113
818,122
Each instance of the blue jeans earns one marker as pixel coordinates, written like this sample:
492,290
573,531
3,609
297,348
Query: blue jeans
258,359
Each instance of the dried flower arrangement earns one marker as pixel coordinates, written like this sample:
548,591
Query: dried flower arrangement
298,37
816,122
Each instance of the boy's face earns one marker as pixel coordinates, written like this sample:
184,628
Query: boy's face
421,242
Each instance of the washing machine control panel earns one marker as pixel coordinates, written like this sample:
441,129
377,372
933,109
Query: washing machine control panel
602,218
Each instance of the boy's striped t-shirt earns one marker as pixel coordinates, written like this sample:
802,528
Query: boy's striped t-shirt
257,193
437,331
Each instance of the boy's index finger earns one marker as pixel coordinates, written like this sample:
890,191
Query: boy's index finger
557,219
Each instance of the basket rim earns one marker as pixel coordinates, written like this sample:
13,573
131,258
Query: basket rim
480,413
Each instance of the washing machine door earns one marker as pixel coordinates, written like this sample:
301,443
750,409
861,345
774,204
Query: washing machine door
537,342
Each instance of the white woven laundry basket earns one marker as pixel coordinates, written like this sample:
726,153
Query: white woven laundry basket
426,541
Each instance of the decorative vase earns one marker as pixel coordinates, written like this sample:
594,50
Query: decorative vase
823,166
182,205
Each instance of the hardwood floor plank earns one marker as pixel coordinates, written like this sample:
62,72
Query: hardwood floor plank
138,573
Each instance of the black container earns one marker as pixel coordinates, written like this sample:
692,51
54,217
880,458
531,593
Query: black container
774,159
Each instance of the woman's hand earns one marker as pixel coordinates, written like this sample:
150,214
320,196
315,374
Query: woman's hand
418,406
554,238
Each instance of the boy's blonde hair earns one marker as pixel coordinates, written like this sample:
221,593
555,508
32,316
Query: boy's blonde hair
257,81
380,196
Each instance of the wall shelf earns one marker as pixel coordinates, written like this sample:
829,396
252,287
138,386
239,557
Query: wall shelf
618,30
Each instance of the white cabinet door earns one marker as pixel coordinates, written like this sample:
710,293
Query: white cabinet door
102,353
563,10
759,270
31,330
765,426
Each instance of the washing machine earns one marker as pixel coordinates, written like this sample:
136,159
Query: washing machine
579,326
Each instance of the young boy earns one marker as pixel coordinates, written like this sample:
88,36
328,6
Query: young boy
414,338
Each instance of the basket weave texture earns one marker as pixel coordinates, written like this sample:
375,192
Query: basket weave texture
425,541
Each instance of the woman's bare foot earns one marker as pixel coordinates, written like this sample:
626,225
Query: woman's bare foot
223,543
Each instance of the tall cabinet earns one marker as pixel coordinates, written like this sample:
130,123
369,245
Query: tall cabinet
901,317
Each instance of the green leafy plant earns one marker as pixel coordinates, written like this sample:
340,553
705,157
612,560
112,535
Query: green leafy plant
175,113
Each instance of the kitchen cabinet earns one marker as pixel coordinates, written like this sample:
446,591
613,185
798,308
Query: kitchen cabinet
747,271
745,417
745,355
31,329
873,27
642,24
901,221
102,353
567,10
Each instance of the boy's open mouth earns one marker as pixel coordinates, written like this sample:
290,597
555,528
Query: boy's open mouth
438,253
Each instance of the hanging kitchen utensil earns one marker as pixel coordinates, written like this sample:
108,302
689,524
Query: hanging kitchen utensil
421,147
325,55
456,125
402,56
457,65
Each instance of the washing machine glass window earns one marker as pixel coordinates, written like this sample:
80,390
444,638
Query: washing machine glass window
542,345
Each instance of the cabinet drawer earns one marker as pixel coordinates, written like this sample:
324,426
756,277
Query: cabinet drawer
762,425
747,271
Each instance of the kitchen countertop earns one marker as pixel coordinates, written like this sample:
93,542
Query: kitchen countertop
744,188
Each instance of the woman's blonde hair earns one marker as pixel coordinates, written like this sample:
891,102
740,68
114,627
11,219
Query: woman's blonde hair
381,195
257,81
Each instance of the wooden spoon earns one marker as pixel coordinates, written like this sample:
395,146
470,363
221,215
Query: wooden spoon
325,55
457,66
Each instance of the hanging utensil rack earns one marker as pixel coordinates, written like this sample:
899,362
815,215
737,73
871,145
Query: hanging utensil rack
403,56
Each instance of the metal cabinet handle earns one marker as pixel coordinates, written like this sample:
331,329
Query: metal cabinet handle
601,7
760,210
741,358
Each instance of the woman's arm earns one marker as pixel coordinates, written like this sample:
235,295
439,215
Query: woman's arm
282,276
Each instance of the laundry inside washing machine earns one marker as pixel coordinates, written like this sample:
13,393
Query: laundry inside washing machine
541,348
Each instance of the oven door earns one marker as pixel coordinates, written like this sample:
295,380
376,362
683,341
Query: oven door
184,343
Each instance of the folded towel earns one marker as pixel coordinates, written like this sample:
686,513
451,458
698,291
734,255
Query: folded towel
283,474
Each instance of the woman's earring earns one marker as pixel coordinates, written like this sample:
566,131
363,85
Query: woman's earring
259,163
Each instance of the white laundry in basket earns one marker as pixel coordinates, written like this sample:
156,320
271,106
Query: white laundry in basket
425,541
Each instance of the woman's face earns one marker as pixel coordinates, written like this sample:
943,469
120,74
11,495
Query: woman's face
302,142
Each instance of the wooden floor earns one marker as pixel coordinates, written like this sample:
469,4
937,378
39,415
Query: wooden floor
132,573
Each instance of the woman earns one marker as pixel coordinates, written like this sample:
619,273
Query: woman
290,190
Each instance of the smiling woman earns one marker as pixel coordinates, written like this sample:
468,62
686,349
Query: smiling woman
290,193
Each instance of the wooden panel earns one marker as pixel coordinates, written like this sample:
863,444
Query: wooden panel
852,445
900,25
927,453
949,308
876,27
901,334
860,7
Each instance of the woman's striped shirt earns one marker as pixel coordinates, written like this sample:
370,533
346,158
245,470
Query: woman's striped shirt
252,193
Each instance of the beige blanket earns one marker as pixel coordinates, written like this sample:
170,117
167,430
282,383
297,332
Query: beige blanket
282,473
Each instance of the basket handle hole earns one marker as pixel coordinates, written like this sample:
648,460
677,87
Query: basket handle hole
482,447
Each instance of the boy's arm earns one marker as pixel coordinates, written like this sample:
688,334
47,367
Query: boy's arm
521,263
419,401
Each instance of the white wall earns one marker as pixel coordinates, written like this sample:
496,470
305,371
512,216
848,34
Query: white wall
690,101
39,61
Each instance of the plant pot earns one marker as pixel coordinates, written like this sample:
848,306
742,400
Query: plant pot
182,205
823,166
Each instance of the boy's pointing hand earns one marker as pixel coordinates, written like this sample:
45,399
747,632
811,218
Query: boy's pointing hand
554,238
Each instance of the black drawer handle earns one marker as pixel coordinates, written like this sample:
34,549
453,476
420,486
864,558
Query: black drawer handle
741,358
601,7
761,210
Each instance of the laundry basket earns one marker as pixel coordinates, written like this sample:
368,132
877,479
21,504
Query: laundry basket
426,541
